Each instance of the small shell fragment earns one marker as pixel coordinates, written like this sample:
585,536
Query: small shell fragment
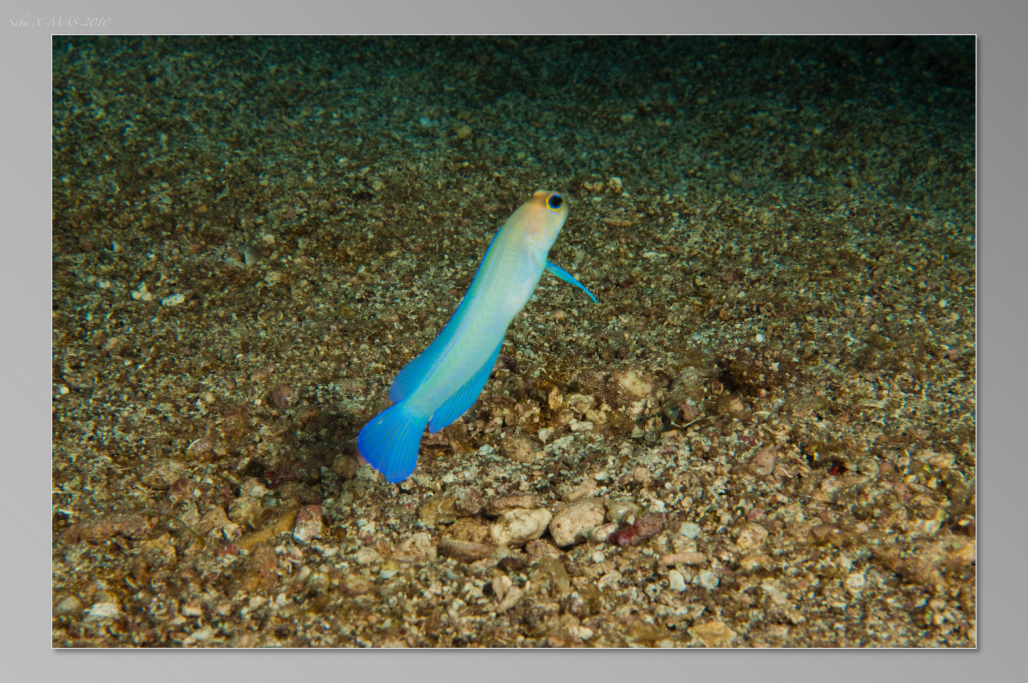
250,254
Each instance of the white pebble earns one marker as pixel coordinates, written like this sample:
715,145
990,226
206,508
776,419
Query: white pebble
690,530
173,300
574,522
855,582
676,581
102,611
583,632
202,634
708,579
517,527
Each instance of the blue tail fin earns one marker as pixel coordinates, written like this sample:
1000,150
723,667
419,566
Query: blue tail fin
389,442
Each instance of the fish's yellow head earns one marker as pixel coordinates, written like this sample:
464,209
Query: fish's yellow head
541,218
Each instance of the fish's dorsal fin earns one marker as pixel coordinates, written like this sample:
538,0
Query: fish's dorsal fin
415,372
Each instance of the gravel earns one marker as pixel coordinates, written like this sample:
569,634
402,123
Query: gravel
775,394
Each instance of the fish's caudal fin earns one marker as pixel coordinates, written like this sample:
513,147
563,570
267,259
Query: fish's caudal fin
389,442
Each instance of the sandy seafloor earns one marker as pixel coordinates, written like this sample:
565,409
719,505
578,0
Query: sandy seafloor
772,406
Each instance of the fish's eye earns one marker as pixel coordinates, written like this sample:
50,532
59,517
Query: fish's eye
554,201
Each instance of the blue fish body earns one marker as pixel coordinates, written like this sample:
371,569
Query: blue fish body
440,384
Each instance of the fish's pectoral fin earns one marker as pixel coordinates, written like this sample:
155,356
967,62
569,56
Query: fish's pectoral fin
566,277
